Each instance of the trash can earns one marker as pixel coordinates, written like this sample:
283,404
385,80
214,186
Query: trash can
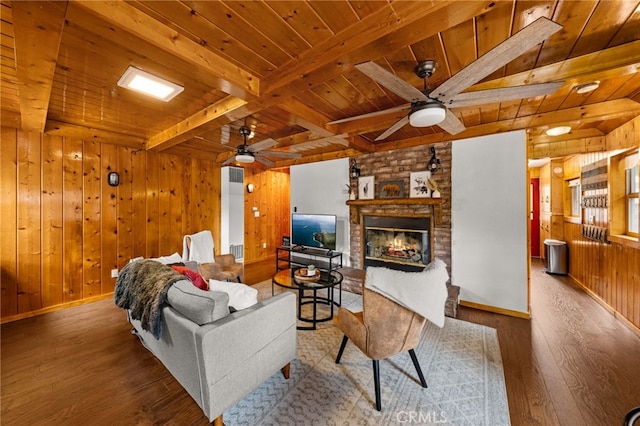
556,256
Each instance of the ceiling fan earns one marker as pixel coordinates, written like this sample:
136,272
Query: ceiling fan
246,153
431,106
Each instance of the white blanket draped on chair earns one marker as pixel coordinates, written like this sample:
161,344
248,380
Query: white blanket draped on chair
424,293
198,247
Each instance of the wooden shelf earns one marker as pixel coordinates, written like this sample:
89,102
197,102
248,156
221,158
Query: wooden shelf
391,201
355,205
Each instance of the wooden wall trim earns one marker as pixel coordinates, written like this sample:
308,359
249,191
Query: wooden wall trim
502,311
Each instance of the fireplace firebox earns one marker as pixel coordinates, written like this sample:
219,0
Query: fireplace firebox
401,243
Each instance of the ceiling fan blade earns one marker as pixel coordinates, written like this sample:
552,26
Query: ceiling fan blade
265,161
281,154
397,126
502,54
391,82
451,124
373,114
227,147
503,94
264,144
229,160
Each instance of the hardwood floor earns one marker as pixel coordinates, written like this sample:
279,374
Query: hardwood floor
573,363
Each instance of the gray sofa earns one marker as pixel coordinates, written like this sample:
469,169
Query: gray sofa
217,356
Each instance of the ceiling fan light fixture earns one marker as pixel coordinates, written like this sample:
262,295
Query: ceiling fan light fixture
557,131
245,158
428,114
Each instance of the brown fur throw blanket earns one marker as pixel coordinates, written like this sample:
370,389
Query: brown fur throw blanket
142,288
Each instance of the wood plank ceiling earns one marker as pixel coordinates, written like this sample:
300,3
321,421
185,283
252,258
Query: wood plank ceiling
286,69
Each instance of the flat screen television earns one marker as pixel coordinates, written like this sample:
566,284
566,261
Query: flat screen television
313,230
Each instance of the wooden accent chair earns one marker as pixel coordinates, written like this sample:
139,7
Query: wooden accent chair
383,328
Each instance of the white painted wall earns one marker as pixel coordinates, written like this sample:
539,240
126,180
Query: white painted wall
321,188
489,220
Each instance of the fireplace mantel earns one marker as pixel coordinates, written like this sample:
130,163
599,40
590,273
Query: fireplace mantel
354,211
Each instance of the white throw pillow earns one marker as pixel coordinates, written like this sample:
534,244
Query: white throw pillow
168,260
241,296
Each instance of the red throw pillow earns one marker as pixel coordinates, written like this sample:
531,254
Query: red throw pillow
195,277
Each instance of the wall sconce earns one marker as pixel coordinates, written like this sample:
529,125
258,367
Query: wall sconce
250,188
434,163
113,179
354,171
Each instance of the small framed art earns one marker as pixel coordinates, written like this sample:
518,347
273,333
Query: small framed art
365,188
418,185
391,188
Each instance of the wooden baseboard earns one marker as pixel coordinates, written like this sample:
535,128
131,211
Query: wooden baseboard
55,308
606,306
502,311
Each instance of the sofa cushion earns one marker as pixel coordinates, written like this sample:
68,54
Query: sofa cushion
195,277
241,296
200,306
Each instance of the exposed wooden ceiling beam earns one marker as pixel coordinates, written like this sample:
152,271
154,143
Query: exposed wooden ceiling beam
391,27
233,80
316,122
37,26
57,128
617,61
188,127
580,144
574,134
330,57
609,63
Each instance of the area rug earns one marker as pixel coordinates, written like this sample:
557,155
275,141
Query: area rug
461,363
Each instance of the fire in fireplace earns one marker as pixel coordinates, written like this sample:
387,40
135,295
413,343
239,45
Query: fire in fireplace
402,243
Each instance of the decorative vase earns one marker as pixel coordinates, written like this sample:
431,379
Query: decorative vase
352,195
435,194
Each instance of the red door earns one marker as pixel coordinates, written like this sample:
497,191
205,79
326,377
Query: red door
534,216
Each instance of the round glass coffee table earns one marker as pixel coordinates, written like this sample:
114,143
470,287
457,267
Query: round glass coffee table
308,293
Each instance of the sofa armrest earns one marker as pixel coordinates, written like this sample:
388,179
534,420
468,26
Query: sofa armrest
240,351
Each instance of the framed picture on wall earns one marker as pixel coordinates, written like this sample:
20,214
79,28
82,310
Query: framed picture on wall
365,188
418,185
391,188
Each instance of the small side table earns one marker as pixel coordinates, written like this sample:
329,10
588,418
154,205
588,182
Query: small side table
328,281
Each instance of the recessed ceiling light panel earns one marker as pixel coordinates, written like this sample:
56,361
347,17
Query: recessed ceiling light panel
557,131
148,84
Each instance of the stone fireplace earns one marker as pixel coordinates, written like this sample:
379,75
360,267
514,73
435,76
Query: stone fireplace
397,242
398,165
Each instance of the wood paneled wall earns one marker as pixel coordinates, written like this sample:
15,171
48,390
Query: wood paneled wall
609,272
64,228
271,197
